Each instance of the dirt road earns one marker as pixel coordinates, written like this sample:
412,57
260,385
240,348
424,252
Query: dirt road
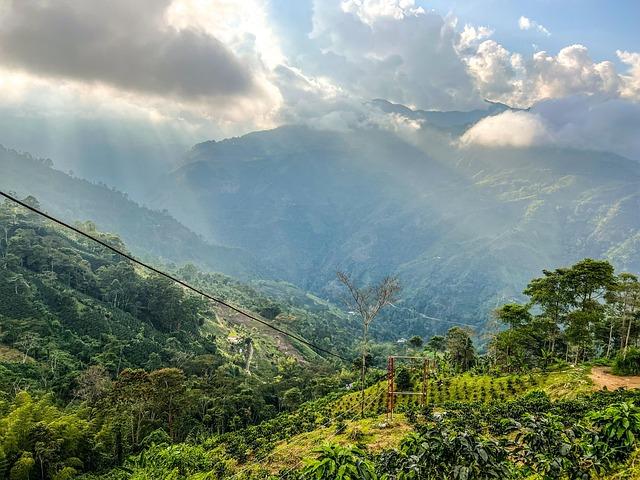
602,377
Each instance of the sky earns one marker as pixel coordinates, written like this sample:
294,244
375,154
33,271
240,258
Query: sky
154,76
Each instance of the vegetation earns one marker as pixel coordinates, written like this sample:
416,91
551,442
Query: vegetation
579,313
108,372
367,303
101,360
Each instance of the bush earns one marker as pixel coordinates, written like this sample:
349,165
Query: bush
628,364
600,362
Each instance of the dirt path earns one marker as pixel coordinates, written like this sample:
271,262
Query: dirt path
602,377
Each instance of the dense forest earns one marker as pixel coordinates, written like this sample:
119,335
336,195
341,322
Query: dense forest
108,371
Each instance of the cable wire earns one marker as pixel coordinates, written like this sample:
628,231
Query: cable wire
432,318
171,277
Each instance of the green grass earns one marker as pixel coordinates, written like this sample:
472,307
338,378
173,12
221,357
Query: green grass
568,383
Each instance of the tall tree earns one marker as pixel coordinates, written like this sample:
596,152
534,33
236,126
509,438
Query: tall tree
590,283
367,302
461,348
625,301
551,294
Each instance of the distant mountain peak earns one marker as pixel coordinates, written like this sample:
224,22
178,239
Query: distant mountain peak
442,119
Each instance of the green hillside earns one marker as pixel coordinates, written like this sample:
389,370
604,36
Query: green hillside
462,228
150,233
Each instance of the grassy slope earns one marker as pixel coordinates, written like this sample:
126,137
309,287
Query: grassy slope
376,433
8,354
373,433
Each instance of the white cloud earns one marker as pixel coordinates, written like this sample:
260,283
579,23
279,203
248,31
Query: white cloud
390,49
525,23
630,82
518,81
369,11
497,72
471,36
517,129
590,122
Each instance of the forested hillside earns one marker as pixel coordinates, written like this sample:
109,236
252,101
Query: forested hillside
132,354
109,372
463,228
152,234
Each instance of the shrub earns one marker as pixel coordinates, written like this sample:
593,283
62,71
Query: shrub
628,364
339,463
619,425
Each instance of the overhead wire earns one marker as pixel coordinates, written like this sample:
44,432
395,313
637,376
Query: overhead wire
428,317
171,277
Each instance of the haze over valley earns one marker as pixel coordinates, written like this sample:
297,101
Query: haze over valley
319,240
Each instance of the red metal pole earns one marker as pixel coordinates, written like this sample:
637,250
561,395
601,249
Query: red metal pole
390,387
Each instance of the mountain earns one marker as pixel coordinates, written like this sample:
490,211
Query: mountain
152,234
464,228
445,120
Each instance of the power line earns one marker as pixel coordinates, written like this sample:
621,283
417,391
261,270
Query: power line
432,318
171,277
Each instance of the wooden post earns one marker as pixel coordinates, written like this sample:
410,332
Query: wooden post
425,377
390,387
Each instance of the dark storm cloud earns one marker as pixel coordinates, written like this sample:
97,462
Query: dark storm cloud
123,43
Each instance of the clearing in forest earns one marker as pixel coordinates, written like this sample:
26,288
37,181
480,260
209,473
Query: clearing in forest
603,378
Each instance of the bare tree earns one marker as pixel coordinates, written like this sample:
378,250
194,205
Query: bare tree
367,303
28,342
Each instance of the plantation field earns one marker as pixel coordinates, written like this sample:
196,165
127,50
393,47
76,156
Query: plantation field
376,433
566,383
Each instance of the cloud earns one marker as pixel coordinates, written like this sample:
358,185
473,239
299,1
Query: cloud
218,65
390,49
509,129
370,11
471,36
518,81
497,72
525,23
591,122
129,47
631,81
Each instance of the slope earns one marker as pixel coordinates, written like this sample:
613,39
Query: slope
153,234
464,228
66,303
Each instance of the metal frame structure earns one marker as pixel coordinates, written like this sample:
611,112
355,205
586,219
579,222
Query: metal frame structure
428,365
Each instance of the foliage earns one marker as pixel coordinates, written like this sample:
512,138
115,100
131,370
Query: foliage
339,463
627,363
582,312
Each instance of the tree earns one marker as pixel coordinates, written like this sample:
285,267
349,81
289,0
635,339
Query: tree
514,314
416,341
403,380
461,348
625,301
521,342
168,395
551,294
437,343
28,342
573,298
93,384
368,302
